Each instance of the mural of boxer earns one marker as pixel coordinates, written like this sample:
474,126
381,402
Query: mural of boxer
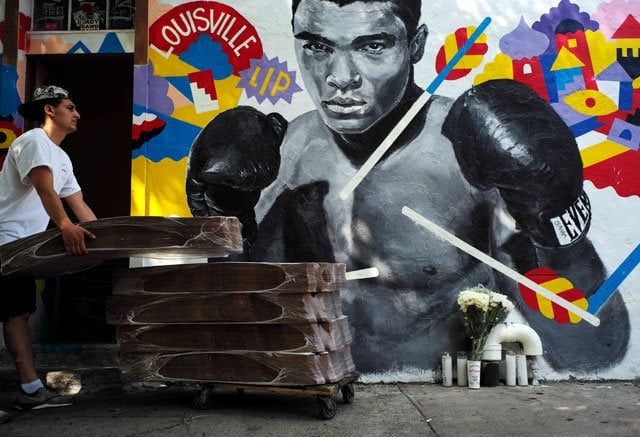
497,167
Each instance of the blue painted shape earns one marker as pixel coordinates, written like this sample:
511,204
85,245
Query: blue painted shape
205,54
546,62
625,102
435,83
585,126
609,286
9,99
111,44
79,47
181,83
566,77
174,142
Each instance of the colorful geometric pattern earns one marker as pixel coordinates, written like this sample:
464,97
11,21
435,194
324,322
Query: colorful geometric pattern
590,78
562,287
472,59
203,91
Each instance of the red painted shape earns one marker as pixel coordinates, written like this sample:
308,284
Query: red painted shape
534,80
539,275
182,25
620,172
531,298
441,61
629,29
477,49
146,127
204,80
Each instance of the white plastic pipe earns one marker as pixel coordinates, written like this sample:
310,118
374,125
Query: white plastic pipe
511,333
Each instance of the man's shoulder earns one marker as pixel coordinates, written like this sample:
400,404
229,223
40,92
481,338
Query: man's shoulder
306,123
440,104
35,142
27,136
306,130
35,135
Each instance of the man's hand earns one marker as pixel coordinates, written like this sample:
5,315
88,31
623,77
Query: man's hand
74,238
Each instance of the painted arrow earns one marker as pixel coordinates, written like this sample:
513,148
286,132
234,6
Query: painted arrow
608,287
497,265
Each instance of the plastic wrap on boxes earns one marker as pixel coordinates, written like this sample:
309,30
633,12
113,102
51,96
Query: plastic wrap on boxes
265,307
237,323
295,337
231,277
43,254
270,368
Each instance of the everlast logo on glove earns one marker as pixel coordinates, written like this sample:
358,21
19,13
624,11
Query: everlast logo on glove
573,223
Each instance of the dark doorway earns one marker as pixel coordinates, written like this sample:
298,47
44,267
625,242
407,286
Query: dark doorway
101,86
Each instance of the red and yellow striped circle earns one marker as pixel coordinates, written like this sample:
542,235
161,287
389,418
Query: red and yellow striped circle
560,286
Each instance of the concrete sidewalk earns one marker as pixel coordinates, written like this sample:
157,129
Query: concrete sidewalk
558,409
107,406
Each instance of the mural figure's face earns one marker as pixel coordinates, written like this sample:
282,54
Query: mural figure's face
355,61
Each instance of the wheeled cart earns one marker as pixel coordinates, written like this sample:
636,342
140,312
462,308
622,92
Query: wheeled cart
275,327
327,406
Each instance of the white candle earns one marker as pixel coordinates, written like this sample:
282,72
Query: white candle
510,364
521,369
446,370
462,368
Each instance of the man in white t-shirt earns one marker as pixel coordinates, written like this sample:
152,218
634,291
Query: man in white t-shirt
36,175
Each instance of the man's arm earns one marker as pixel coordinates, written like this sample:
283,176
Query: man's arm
77,204
72,235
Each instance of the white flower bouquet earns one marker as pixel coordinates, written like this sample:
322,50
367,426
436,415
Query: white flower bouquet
483,309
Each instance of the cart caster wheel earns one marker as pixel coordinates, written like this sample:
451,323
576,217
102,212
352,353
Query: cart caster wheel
348,393
202,399
326,407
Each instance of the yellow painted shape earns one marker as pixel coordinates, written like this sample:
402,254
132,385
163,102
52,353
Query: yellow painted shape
158,188
602,52
138,183
500,68
555,286
566,60
169,67
603,104
468,61
636,83
545,307
600,152
9,137
450,46
582,304
228,97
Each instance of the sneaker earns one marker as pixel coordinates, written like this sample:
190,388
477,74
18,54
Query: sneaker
4,416
44,397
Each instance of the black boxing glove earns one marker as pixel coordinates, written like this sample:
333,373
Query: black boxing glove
505,136
295,229
231,161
